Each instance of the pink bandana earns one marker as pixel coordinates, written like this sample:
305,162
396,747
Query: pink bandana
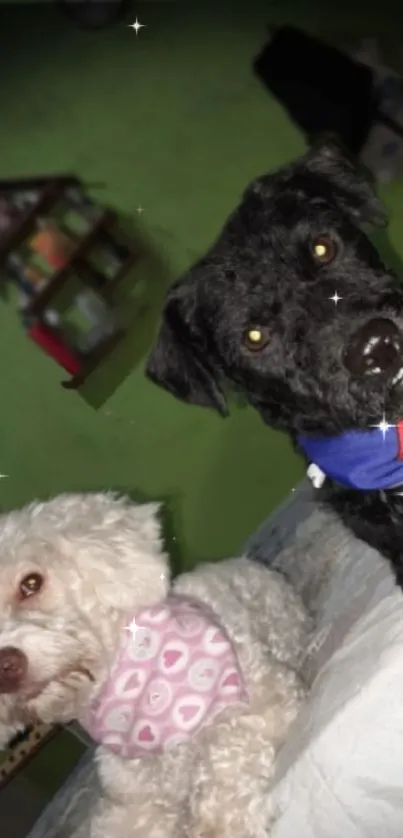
175,671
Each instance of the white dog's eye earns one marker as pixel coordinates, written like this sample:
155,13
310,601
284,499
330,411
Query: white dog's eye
31,584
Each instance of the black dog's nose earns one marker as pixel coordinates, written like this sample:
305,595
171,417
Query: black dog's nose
13,668
374,348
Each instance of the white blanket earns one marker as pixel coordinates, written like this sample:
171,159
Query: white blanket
341,772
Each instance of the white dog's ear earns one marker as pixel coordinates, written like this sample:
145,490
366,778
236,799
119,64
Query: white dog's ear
117,549
148,520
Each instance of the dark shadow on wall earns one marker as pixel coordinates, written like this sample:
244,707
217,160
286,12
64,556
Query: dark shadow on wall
139,300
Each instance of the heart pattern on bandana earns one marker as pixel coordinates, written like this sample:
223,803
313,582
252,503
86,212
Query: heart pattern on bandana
155,616
157,697
119,718
174,674
144,645
188,711
174,657
203,674
171,657
145,735
215,642
130,683
230,682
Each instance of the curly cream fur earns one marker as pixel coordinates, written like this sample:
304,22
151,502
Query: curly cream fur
102,557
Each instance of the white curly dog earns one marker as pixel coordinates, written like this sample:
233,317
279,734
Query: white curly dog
190,687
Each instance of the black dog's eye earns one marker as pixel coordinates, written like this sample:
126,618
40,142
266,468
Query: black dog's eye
324,250
31,584
256,338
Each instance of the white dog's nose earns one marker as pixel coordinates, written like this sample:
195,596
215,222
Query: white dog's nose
13,669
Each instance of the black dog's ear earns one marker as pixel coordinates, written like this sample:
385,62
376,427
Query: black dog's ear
349,187
177,362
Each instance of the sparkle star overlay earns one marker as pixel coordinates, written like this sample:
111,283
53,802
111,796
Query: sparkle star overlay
133,627
137,26
335,299
384,426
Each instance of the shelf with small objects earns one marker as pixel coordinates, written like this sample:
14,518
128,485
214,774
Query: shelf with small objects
53,237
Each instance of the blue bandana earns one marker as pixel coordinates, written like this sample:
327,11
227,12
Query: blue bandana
359,459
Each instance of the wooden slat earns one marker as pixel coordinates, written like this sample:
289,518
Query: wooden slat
57,281
91,275
28,183
114,281
90,363
25,225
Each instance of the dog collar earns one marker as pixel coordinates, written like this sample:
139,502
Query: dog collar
366,460
176,669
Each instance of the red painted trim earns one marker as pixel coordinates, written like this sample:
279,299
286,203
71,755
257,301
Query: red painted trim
399,427
53,345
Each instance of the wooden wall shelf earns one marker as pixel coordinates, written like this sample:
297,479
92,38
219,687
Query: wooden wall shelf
46,193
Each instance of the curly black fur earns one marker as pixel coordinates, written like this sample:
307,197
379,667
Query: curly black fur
261,272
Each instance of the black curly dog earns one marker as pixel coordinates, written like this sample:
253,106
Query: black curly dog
259,311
